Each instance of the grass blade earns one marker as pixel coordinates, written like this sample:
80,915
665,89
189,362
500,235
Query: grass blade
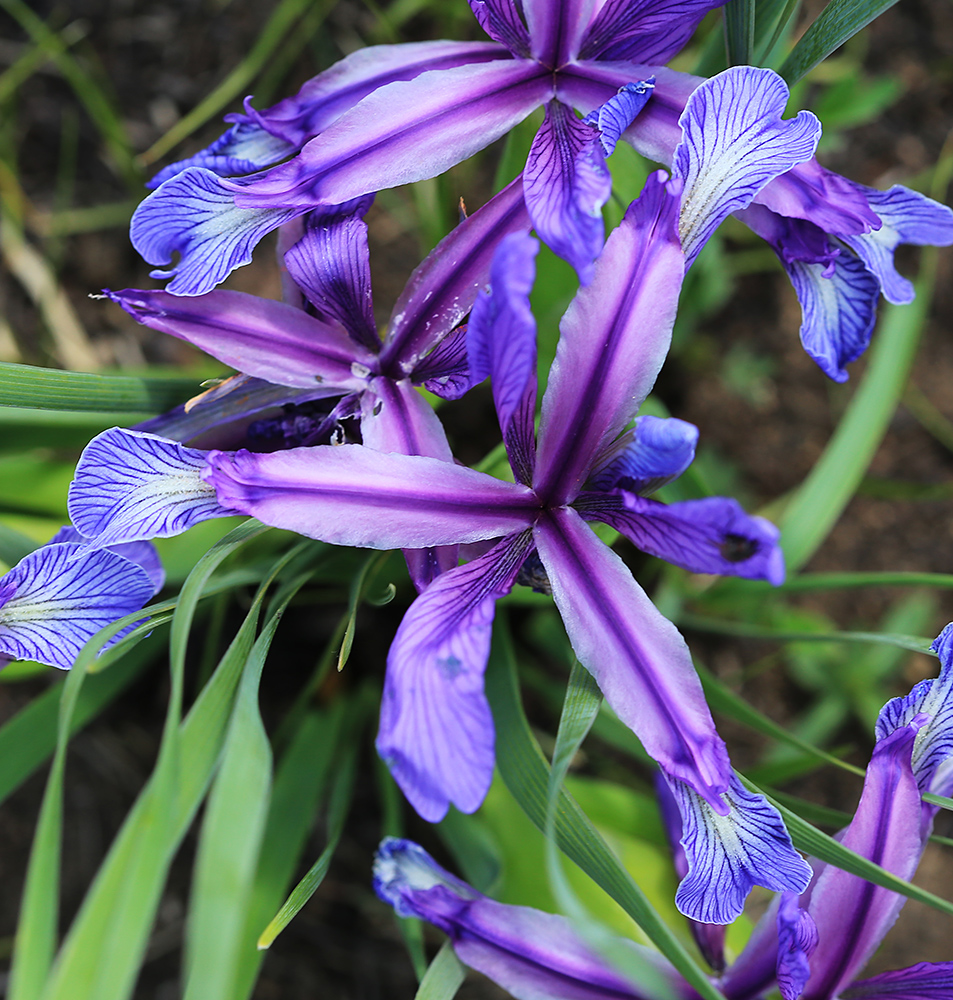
526,773
739,32
50,389
444,976
840,20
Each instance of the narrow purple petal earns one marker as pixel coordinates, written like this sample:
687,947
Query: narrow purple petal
500,19
441,290
331,266
436,733
243,149
838,295
130,486
734,144
404,132
656,451
853,915
255,336
645,31
710,938
193,215
932,698
351,495
729,853
445,371
618,113
811,192
325,97
557,29
142,553
61,595
907,217
923,981
566,182
614,337
501,343
711,535
637,656
797,941
531,954
655,132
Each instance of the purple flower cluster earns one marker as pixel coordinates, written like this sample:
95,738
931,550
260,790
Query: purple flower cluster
358,457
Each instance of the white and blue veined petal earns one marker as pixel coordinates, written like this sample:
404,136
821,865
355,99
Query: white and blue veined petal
245,148
195,215
129,485
906,217
729,854
62,594
142,553
733,144
932,755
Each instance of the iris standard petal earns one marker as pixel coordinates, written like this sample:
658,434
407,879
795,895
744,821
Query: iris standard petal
256,336
654,452
192,214
614,337
729,852
923,981
395,417
436,733
556,29
734,144
711,535
330,264
852,915
644,31
906,217
129,485
440,292
566,182
59,596
404,132
325,97
501,20
445,371
501,343
797,941
637,656
351,495
618,113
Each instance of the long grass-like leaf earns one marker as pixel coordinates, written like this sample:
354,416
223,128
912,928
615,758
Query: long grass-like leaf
444,976
232,831
526,773
739,32
839,21
51,389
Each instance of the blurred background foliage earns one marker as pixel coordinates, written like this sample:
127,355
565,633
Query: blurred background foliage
168,835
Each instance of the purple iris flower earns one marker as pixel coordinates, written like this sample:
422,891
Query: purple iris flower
395,114
323,343
810,948
436,729
64,592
